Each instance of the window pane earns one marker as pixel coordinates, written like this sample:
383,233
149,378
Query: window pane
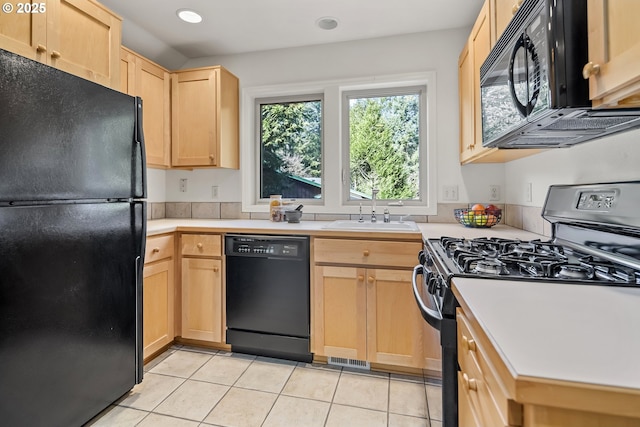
291,149
384,147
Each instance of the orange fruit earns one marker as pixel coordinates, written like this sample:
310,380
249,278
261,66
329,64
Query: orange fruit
477,208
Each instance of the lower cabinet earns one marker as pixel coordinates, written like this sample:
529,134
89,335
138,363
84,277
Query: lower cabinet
366,312
158,295
202,290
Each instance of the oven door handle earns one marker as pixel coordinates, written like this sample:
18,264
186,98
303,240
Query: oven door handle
433,317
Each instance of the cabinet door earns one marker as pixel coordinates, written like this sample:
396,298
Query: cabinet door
24,33
158,306
152,84
394,324
466,413
202,299
466,103
83,39
194,125
128,73
614,46
340,312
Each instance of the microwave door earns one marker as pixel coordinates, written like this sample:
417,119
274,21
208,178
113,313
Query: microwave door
502,89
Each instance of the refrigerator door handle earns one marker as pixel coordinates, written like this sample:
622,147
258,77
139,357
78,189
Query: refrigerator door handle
143,154
139,316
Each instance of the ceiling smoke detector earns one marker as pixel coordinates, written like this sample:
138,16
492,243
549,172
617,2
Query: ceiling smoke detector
327,23
189,16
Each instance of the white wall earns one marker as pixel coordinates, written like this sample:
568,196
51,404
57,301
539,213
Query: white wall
616,158
436,51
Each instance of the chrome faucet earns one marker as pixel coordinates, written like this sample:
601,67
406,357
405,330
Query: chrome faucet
387,216
374,192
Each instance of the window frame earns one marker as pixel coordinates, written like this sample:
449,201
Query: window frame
391,90
318,96
332,156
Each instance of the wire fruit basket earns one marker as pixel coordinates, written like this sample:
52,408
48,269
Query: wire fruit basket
478,218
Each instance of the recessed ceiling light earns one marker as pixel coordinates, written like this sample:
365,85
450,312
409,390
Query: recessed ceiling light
327,23
189,16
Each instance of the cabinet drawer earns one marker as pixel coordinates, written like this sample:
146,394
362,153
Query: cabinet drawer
366,252
493,405
202,244
158,247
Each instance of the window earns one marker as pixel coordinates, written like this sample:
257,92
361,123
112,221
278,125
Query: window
290,136
327,143
383,144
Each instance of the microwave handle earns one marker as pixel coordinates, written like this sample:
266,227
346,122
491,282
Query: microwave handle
525,42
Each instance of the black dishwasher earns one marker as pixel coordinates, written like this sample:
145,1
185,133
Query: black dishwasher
268,295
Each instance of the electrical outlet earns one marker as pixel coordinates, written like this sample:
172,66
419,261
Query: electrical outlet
528,192
183,185
494,193
450,192
214,192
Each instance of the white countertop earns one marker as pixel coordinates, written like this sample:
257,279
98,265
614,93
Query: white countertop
567,332
428,230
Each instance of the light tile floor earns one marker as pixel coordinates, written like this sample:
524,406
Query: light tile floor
188,386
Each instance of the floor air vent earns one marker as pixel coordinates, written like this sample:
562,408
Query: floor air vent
349,363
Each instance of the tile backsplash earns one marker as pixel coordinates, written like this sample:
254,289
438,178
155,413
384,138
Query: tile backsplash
523,217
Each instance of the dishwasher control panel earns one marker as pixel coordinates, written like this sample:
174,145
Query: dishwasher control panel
265,246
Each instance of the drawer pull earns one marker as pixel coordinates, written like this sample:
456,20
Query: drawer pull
360,278
469,383
467,344
370,279
366,252
41,48
155,250
215,269
55,54
199,245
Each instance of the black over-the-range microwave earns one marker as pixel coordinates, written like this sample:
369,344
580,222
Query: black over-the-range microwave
533,94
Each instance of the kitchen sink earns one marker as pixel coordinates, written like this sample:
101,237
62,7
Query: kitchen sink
352,225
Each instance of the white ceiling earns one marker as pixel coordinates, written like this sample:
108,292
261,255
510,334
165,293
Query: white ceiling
237,26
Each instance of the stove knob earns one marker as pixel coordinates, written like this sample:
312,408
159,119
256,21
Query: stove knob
428,261
421,257
432,285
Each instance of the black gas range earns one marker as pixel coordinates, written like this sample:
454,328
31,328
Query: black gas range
595,241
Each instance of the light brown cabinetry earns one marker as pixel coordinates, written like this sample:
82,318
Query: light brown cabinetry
202,289
490,394
614,53
158,295
80,37
501,13
143,78
205,124
473,55
364,307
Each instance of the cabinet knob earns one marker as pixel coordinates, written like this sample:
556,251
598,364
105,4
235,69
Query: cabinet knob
360,278
41,48
469,383
212,157
516,7
199,245
215,269
371,279
55,54
467,344
590,69
366,252
155,250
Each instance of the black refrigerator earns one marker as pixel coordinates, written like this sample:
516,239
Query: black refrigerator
72,236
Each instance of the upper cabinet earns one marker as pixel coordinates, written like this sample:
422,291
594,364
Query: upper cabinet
205,124
80,37
143,78
473,55
613,69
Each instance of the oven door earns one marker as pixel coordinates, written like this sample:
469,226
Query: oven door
430,305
